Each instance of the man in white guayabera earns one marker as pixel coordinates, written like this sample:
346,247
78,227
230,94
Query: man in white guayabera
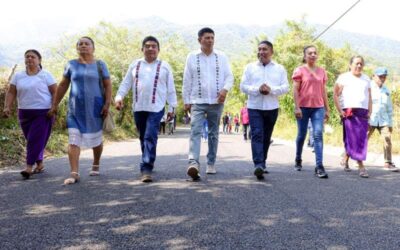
152,84
206,81
263,81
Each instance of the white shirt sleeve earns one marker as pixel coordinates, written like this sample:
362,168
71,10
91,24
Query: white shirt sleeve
339,80
187,82
246,86
126,84
171,92
50,79
283,87
14,79
228,81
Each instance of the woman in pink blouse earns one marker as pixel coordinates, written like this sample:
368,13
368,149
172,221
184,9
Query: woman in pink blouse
311,102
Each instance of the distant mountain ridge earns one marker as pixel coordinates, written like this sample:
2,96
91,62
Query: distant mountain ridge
233,39
236,39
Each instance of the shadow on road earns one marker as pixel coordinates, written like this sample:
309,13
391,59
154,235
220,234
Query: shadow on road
229,210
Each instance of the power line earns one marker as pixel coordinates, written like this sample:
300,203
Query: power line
337,20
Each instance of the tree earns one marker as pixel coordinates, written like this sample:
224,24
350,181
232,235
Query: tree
118,47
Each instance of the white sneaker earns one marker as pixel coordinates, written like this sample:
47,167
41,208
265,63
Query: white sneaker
211,169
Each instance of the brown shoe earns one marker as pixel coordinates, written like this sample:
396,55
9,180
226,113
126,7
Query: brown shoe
193,172
146,178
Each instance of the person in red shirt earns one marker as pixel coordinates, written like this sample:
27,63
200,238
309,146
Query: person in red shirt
237,123
244,119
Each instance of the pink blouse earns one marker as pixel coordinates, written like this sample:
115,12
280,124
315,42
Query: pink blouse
244,115
312,85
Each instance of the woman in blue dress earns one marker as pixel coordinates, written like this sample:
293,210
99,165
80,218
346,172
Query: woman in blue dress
89,103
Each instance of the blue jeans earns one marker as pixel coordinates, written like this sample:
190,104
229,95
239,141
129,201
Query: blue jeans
148,124
246,133
262,124
205,131
317,116
198,112
225,128
310,134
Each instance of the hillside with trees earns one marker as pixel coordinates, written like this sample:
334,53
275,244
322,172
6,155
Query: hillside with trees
234,39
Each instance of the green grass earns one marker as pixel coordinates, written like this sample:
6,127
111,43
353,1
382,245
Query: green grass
13,151
12,147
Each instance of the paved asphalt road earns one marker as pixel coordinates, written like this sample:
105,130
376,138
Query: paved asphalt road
229,210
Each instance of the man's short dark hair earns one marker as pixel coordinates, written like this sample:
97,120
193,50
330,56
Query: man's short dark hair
205,30
268,43
152,39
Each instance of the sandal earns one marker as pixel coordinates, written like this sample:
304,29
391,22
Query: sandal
38,170
345,165
95,170
73,179
363,173
26,174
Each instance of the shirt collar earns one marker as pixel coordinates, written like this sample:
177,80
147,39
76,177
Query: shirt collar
144,61
200,52
261,64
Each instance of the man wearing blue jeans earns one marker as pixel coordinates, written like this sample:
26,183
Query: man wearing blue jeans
207,78
148,124
263,81
152,84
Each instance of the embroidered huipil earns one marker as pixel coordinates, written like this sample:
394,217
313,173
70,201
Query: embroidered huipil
256,74
382,109
204,76
152,86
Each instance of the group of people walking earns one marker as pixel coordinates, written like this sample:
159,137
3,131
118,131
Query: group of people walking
206,81
169,123
229,122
